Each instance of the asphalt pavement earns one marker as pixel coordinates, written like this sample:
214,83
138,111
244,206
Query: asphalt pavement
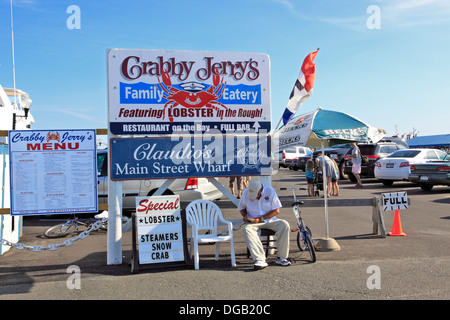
367,266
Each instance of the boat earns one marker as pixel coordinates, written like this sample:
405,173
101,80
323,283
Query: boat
14,115
15,105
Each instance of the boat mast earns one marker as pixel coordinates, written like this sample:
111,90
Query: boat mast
13,59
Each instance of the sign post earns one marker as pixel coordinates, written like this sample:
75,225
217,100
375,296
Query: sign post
170,92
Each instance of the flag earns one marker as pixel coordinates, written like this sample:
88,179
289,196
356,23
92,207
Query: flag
302,88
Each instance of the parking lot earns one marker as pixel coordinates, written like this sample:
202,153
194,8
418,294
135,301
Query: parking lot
412,267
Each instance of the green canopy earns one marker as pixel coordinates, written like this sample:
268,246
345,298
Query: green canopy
327,127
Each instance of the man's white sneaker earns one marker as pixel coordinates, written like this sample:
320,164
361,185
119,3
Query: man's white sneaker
260,265
283,262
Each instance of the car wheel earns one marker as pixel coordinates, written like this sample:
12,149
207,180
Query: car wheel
426,187
387,183
352,177
342,174
165,193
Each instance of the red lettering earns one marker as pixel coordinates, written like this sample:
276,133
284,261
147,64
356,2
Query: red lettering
147,205
31,147
47,146
73,147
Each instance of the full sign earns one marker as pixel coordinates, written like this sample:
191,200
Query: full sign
395,201
166,91
189,156
159,229
53,171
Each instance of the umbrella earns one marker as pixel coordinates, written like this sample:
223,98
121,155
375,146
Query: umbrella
325,128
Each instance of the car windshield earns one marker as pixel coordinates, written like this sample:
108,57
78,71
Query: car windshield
447,157
368,149
404,154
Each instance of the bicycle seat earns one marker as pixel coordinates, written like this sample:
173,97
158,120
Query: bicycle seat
297,203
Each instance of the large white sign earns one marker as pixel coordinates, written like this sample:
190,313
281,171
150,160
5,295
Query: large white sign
159,229
53,171
166,91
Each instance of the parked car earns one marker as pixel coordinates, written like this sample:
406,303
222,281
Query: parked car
396,166
429,174
285,157
188,189
299,163
373,152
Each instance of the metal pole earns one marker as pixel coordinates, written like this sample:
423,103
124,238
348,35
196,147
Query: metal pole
325,188
114,234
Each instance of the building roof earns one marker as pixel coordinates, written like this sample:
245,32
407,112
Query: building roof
440,140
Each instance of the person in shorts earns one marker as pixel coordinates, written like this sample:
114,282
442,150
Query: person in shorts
309,169
356,164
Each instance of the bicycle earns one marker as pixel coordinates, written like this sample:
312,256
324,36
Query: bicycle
304,235
71,225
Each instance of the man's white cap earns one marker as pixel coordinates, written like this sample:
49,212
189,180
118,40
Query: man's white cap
253,189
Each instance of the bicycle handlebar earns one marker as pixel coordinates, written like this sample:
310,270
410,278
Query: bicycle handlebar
292,188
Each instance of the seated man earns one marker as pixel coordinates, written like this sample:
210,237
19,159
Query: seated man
259,206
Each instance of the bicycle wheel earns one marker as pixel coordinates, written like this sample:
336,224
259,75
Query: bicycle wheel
300,242
60,230
310,247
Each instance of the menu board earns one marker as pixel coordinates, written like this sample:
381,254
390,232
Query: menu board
159,229
53,171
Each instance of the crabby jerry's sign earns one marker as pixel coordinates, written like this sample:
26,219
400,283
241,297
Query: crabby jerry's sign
166,91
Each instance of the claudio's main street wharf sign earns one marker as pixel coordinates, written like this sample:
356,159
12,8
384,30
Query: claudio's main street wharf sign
166,91
189,156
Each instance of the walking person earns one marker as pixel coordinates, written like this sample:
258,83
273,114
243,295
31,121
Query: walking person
240,184
356,164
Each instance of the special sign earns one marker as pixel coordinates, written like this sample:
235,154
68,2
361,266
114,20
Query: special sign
164,91
159,229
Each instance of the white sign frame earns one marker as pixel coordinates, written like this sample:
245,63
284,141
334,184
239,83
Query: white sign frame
140,101
159,232
394,201
53,171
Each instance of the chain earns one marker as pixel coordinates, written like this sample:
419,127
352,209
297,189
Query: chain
56,246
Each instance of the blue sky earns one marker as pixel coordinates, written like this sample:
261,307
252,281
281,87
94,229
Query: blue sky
395,77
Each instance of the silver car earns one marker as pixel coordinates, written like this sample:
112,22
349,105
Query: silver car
188,189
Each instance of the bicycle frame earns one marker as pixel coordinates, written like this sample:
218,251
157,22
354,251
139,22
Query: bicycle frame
303,230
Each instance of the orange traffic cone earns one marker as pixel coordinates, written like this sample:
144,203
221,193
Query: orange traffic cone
397,225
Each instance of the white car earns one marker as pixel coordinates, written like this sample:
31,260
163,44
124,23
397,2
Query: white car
285,157
396,166
188,189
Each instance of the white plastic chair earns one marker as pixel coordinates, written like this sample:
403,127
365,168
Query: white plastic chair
204,215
